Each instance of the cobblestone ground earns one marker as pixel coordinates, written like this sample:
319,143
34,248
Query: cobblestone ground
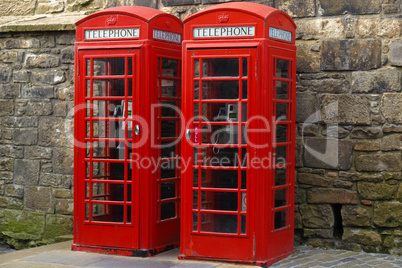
309,257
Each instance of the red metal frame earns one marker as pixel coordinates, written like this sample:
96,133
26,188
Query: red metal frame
271,64
119,203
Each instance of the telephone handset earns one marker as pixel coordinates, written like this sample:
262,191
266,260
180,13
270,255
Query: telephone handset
228,113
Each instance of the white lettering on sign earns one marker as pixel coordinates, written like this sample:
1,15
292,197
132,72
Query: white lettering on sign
112,33
230,31
280,34
167,36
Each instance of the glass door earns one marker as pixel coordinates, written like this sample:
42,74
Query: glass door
221,87
108,182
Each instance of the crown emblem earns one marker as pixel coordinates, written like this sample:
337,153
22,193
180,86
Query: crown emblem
111,20
223,18
167,24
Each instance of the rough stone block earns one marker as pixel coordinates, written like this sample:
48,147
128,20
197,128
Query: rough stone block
10,203
313,179
38,92
60,109
39,108
51,77
331,196
55,180
9,91
378,81
63,161
6,164
389,104
363,237
180,2
367,146
67,38
65,206
396,53
356,7
319,28
389,128
350,55
13,190
6,107
307,108
49,6
366,133
82,5
307,61
2,186
23,222
62,193
25,136
5,74
379,162
39,199
391,142
67,55
388,214
26,172
17,8
336,109
10,56
325,83
11,151
328,153
21,122
37,152
318,233
57,225
297,8
376,191
6,176
21,43
317,216
42,61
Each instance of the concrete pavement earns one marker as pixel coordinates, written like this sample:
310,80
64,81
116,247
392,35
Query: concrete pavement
59,255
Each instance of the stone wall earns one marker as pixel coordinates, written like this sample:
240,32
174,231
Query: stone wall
349,120
36,136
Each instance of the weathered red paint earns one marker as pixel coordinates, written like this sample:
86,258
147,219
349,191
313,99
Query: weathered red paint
120,71
239,57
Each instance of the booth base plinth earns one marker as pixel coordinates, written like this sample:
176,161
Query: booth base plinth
264,264
143,253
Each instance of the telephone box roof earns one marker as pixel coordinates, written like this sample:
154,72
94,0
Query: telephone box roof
261,11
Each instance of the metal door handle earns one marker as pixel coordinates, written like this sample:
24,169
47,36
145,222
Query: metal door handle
188,134
137,130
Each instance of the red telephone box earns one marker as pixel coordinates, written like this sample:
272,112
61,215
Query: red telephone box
239,65
127,124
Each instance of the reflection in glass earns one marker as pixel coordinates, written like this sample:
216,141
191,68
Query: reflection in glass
196,68
169,88
228,67
280,176
280,198
108,66
219,223
168,210
220,90
169,68
109,87
282,90
281,155
281,133
282,68
220,112
282,111
280,219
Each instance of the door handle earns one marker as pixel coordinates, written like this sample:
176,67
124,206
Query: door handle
137,130
188,134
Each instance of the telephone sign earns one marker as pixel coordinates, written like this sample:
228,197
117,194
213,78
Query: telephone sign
239,65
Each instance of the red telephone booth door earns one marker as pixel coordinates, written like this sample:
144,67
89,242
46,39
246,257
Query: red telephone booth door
107,109
217,180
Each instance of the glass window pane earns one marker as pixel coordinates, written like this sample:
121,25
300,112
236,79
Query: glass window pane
168,210
130,66
195,199
168,109
219,157
213,178
107,213
109,87
280,176
168,190
243,224
281,155
220,112
280,198
282,112
282,68
168,129
197,112
169,68
195,222
196,68
168,149
245,90
220,90
168,169
228,67
102,108
220,134
219,223
281,133
88,67
282,90
196,90
220,200
169,88
88,88
280,219
108,66
245,67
